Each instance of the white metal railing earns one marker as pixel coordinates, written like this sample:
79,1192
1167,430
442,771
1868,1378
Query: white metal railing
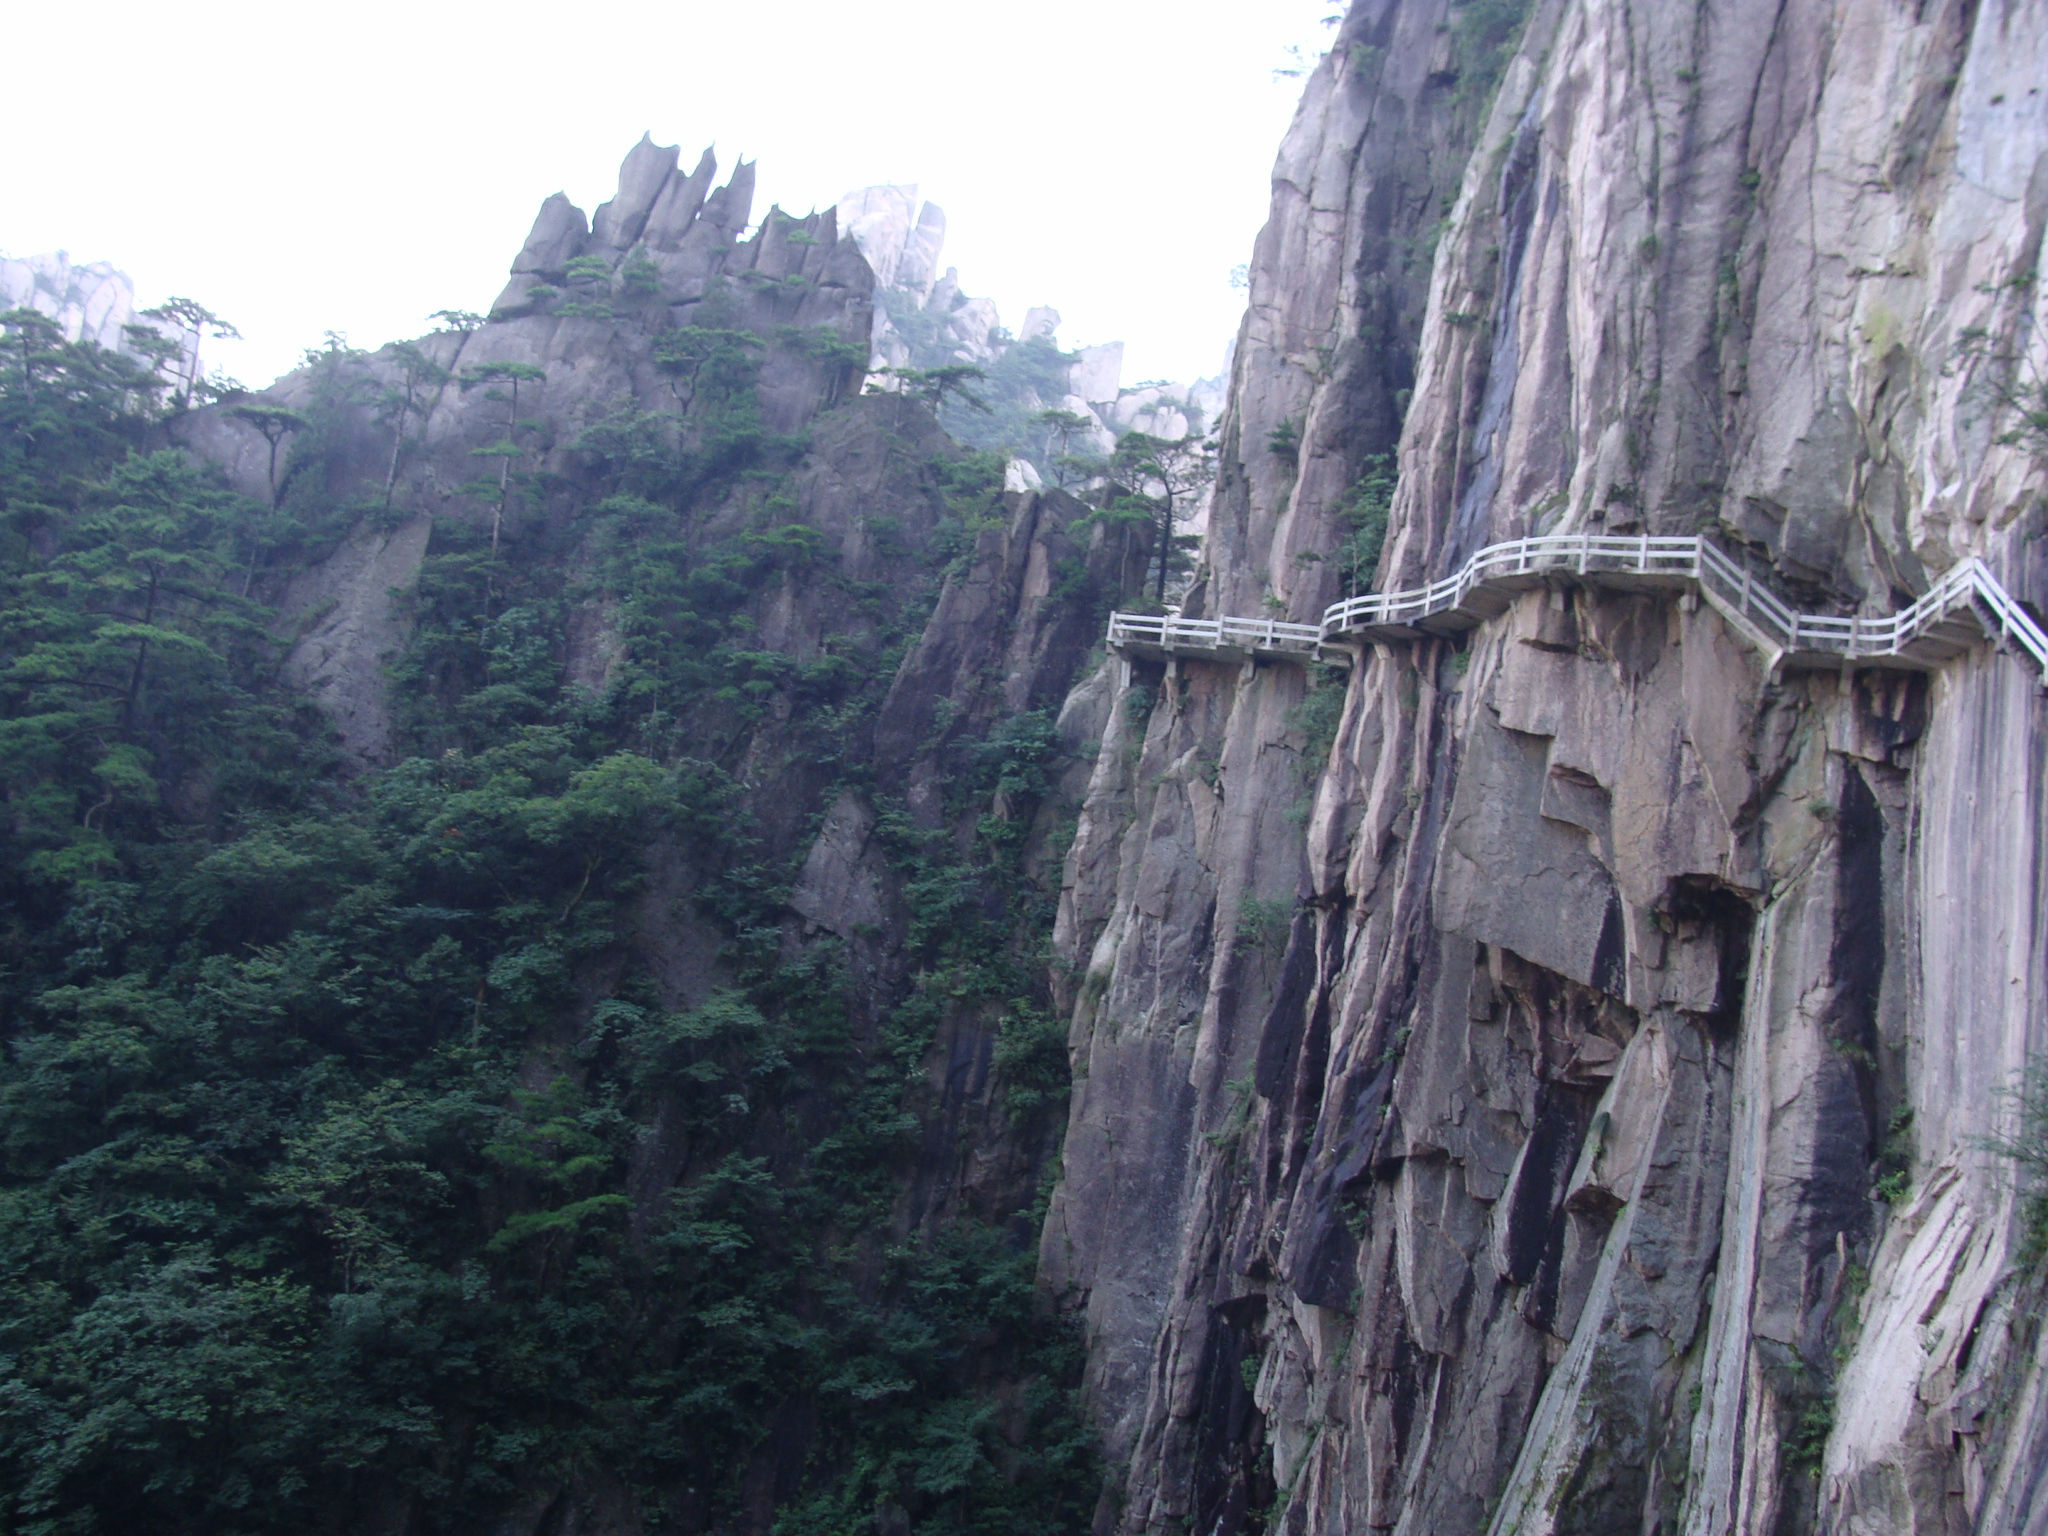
1173,633
1728,585
1968,587
1579,554
1754,608
2014,622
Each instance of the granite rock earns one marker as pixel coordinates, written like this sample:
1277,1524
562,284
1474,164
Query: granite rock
1537,1082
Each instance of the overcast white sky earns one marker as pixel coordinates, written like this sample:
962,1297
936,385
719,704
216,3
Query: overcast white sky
308,167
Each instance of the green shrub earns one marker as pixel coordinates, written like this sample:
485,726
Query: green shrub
2026,1147
1364,513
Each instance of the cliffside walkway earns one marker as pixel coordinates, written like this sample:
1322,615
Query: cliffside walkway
1222,639
1965,607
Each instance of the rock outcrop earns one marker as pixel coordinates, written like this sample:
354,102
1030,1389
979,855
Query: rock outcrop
588,305
1544,1081
923,319
91,301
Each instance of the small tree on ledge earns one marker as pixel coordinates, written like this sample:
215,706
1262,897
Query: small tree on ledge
275,423
194,320
501,381
935,386
1160,480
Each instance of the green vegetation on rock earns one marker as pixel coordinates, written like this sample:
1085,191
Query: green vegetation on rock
1006,410
361,1152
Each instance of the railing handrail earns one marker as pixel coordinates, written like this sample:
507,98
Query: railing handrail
1267,634
1730,585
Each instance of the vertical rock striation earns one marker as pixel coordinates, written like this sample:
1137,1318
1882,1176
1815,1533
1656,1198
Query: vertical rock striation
1548,1089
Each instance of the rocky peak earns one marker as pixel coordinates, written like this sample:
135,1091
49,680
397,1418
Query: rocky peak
590,308
660,216
924,319
677,206
559,234
642,176
91,301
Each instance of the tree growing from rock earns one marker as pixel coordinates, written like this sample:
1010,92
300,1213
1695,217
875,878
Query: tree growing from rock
420,380
1161,481
935,386
146,341
1061,427
501,381
275,423
590,282
195,322
696,357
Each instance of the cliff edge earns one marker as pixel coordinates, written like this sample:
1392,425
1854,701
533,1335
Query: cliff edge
1544,1079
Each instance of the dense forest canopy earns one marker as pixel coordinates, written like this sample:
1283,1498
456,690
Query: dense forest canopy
329,1094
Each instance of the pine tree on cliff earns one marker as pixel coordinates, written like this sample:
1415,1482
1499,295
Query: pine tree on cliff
419,381
275,423
194,320
1161,481
492,376
1061,428
935,386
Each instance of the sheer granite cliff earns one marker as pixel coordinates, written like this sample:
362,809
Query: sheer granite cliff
1551,1092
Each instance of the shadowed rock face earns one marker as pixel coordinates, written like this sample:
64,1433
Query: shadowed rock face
1480,1129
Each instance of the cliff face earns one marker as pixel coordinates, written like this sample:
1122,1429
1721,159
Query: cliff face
1563,1106
91,300
689,520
